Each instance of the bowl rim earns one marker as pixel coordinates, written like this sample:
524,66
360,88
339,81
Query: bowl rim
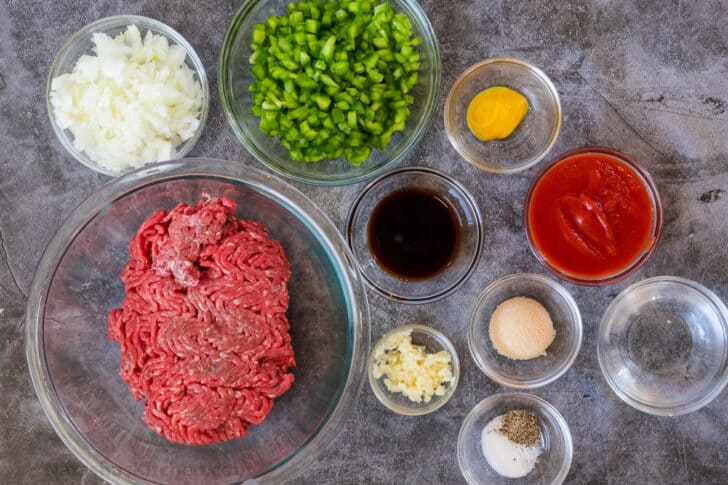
289,197
656,203
533,383
450,129
538,402
102,25
226,99
438,401
472,205
679,408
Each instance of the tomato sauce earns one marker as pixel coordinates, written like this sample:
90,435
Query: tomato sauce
590,215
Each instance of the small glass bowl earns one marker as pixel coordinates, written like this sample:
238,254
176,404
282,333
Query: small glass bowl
531,140
663,346
560,355
80,44
434,341
469,245
235,76
656,230
557,448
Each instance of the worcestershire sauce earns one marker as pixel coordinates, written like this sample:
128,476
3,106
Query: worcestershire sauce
413,234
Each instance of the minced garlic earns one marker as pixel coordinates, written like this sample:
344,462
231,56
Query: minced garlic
410,370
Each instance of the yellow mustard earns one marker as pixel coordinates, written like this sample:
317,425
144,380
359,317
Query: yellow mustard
496,112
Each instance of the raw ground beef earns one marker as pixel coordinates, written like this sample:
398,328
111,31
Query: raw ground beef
202,329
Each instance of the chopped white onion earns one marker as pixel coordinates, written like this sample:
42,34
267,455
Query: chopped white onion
132,103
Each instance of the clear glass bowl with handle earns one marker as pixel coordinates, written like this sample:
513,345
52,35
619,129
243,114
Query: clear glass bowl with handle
75,367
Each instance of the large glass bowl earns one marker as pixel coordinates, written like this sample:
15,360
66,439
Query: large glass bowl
75,368
80,44
235,77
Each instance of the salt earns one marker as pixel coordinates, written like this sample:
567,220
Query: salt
507,458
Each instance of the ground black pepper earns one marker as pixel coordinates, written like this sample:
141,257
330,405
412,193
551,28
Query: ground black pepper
521,427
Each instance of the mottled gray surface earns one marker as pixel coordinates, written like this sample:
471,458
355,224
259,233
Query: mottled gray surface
646,77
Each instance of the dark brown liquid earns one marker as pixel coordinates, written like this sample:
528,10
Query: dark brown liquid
413,234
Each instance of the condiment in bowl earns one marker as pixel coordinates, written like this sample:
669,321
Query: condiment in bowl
503,115
413,233
593,216
416,234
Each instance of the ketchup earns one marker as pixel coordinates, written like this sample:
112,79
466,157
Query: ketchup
590,215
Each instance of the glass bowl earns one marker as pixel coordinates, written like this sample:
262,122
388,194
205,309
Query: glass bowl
663,346
556,445
655,231
80,44
531,140
235,76
468,247
560,355
75,368
434,341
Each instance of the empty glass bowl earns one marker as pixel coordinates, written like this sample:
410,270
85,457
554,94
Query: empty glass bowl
663,346
556,445
75,367
560,355
235,77
434,341
531,140
468,246
80,44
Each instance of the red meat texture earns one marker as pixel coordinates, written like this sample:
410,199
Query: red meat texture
202,329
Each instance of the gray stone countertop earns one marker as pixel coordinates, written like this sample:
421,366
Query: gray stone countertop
646,77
